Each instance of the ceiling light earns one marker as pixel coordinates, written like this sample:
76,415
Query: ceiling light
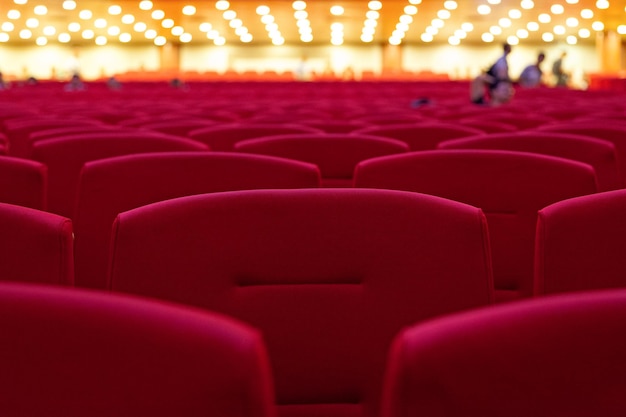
229,14
467,27
515,14
101,40
532,26
557,9
167,23
410,10
219,41
73,27
483,9
262,10
572,40
113,30
128,19
559,30
487,37
150,34
586,13
160,41
8,27
298,5
4,37
41,41
512,40
64,37
125,37
597,26
426,37
375,5
145,5
584,33
100,23
222,5
621,29
602,4
495,30
14,14
40,10
85,14
32,23
114,10
337,10
571,22
69,5
547,37
88,34
189,10
247,38
26,34
527,4
158,14
544,18
140,27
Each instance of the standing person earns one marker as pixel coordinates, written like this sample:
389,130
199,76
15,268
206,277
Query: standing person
500,70
560,76
532,75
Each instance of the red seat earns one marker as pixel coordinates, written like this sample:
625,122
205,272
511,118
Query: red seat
328,275
65,156
36,246
336,154
613,132
72,353
510,187
560,356
110,186
580,244
421,136
600,154
23,182
224,137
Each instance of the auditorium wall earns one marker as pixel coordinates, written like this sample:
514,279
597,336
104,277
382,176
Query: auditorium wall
459,62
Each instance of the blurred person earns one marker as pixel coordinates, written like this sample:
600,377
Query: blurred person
561,78
485,90
75,84
500,69
532,75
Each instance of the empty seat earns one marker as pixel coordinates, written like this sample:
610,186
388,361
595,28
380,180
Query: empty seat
23,182
613,132
580,244
600,154
328,275
65,156
110,186
36,246
510,187
72,353
336,154
560,356
224,137
420,136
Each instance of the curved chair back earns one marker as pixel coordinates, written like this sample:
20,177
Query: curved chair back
110,186
23,182
422,135
75,353
224,137
36,246
580,244
336,154
65,156
328,275
557,356
600,154
510,187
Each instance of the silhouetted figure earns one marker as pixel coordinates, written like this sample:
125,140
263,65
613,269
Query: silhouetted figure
75,84
485,90
532,75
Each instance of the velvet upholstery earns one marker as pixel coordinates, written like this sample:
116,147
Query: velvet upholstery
600,154
113,185
559,356
225,136
336,154
328,275
71,353
65,156
420,135
23,182
36,246
580,244
510,187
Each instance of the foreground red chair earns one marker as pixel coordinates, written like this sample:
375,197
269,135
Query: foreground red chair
510,187
600,154
23,182
336,154
65,156
73,353
580,244
36,246
328,275
113,185
560,356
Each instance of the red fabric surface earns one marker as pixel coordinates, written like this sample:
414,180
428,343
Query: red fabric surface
67,353
510,187
328,275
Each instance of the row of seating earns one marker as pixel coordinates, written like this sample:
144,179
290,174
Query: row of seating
329,277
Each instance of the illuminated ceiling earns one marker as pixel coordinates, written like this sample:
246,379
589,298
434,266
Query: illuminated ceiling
316,22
